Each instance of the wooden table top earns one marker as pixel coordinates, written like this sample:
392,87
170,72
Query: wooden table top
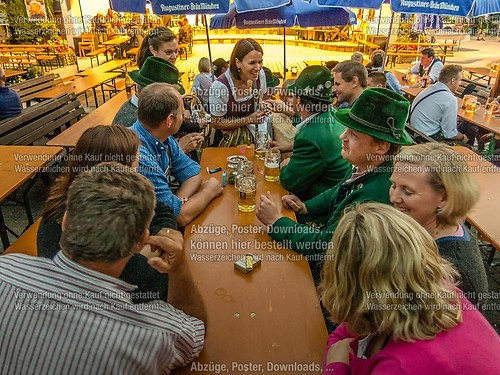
270,315
479,118
483,216
116,41
412,91
12,73
78,86
104,68
101,116
19,163
483,71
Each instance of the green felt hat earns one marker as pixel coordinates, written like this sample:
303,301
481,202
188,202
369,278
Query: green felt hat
380,113
271,81
314,82
156,69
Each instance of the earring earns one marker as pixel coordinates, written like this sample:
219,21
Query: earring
239,70
438,210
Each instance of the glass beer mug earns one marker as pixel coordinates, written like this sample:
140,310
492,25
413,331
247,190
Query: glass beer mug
262,141
272,165
471,104
247,189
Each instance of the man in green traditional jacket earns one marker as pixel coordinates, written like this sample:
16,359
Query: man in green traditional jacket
375,131
316,164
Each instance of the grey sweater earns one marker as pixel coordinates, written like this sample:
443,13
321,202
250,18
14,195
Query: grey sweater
463,253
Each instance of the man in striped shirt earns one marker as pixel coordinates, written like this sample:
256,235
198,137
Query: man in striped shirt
72,315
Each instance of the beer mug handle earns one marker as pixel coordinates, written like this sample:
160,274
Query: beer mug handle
478,106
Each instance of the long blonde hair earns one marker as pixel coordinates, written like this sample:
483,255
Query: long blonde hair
386,276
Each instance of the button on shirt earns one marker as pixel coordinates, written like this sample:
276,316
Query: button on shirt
59,317
154,164
436,113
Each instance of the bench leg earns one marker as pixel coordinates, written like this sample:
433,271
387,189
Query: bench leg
26,201
103,94
95,97
4,231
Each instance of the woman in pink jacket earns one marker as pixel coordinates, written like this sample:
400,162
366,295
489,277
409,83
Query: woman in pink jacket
399,308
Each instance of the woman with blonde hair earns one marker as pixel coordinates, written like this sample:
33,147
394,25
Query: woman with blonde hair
431,183
399,309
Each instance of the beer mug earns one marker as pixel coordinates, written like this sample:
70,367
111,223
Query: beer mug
472,105
262,141
490,106
411,79
272,165
245,168
247,189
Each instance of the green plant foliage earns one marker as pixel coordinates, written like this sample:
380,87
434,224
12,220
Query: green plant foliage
24,31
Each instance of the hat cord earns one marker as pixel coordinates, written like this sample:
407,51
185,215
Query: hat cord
390,122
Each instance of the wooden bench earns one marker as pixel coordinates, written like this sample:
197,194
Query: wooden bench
27,90
393,55
95,55
26,243
45,61
468,87
417,135
132,53
41,120
365,44
185,49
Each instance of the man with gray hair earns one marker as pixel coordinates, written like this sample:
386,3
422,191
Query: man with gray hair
160,115
72,314
10,103
434,110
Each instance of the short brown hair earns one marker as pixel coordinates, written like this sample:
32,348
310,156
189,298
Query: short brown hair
107,211
350,69
378,78
156,102
449,72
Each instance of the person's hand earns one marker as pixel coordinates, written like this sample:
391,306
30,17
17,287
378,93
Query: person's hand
257,117
168,244
274,144
285,162
293,203
191,141
274,105
339,352
213,186
267,212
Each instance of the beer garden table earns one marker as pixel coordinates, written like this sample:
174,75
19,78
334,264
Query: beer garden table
18,164
258,321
